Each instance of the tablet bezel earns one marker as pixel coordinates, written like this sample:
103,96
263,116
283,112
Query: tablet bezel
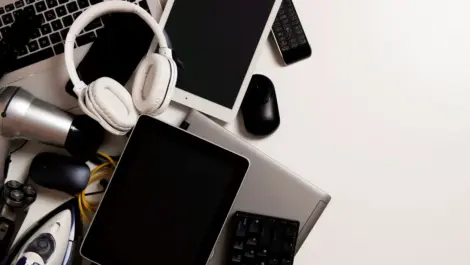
147,124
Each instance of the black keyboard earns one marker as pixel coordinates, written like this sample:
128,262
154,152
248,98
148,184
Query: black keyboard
57,16
262,240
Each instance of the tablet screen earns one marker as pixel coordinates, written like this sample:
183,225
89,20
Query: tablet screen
167,200
215,40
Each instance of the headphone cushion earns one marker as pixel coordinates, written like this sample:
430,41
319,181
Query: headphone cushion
151,84
112,102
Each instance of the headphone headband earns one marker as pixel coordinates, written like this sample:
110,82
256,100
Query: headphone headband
99,10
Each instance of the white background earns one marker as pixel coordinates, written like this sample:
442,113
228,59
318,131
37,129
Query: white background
379,117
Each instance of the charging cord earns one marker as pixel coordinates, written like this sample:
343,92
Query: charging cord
102,173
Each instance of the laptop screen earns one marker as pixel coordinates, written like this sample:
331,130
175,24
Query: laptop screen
167,201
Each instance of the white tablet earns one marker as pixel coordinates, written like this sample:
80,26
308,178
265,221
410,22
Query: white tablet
217,43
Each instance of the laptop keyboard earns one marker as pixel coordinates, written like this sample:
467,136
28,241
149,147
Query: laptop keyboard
57,16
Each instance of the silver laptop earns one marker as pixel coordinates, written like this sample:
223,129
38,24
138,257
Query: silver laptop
42,59
268,189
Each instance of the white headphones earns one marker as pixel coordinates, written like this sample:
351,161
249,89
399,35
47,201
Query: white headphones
107,101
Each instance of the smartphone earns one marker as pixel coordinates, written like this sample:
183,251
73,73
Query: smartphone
117,51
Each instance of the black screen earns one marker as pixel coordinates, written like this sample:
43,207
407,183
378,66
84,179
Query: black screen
215,40
167,200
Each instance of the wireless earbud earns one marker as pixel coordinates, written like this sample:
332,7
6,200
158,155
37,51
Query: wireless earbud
107,101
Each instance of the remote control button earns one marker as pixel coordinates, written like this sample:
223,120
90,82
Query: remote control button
250,254
252,241
241,227
237,258
273,261
238,245
286,262
263,253
254,227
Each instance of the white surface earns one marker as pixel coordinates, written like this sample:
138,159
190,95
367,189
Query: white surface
379,117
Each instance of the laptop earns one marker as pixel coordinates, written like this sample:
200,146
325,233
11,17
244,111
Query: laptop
268,189
42,59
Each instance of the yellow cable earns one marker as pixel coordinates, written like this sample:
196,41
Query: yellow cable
108,157
104,170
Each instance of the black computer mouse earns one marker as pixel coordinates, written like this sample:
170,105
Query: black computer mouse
59,172
259,108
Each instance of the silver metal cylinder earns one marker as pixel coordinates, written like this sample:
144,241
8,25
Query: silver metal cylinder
25,116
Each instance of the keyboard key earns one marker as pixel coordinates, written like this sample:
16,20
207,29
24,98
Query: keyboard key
93,25
22,51
46,29
55,38
19,4
59,48
63,1
67,21
7,18
83,3
33,46
4,31
16,14
61,11
29,9
2,10
75,15
29,1
1,23
86,38
9,7
72,7
51,3
56,25
40,6
41,18
35,34
44,42
63,33
95,1
50,15
31,59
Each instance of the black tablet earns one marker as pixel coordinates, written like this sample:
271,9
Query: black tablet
167,200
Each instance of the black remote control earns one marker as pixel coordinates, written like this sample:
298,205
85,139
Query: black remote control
289,34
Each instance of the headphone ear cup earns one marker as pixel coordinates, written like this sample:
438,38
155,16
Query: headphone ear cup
113,103
151,84
171,88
